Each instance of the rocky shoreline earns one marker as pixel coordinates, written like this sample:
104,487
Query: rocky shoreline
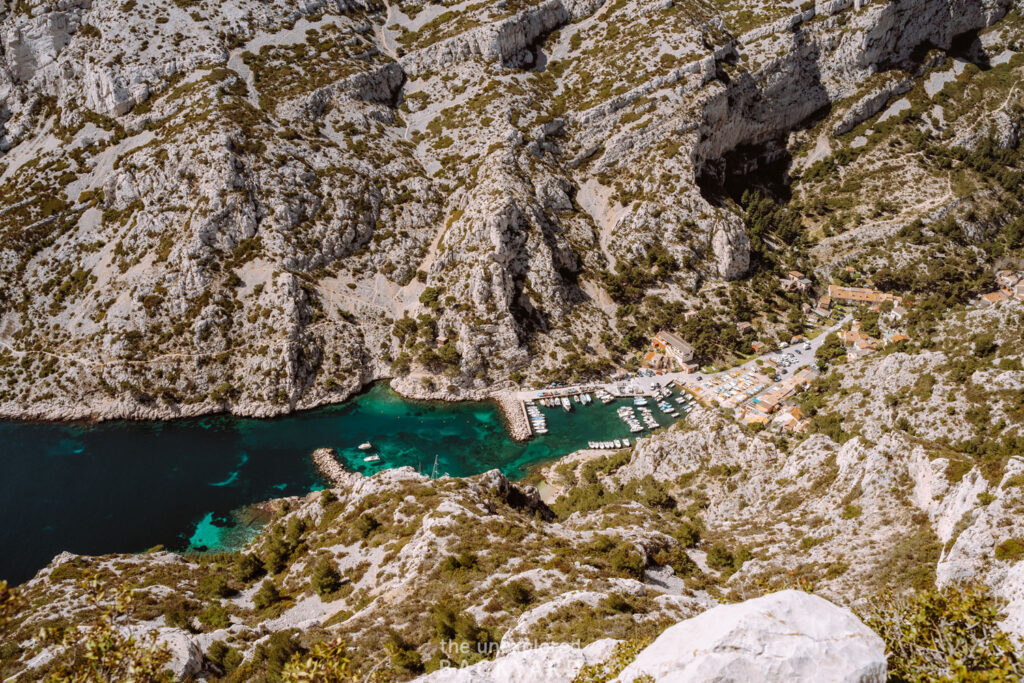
516,422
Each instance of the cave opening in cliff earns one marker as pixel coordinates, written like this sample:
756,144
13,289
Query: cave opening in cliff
965,46
763,167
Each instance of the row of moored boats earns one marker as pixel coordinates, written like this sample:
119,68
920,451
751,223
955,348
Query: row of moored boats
627,415
609,445
537,420
584,399
637,417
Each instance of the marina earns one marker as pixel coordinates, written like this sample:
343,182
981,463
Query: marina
634,411
123,486
182,483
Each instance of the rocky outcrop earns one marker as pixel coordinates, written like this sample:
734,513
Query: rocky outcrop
35,44
507,42
781,637
870,104
731,248
785,636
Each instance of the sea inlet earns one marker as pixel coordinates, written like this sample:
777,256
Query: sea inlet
128,486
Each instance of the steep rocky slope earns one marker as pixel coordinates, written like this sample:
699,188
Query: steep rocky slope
910,477
254,207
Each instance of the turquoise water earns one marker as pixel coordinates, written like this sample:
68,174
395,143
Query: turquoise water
127,486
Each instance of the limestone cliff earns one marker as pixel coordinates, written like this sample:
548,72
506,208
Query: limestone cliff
257,208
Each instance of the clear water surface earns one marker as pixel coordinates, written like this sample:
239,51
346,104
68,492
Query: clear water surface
127,486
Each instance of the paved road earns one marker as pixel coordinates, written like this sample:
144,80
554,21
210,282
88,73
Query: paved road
646,384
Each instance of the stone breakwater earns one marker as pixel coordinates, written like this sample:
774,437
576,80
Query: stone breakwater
326,461
515,415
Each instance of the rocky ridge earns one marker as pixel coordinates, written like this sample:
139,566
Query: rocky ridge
262,208
702,514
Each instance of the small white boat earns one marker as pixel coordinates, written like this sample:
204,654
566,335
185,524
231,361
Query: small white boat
618,444
371,458
365,446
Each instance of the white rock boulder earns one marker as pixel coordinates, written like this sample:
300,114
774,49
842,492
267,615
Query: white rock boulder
785,636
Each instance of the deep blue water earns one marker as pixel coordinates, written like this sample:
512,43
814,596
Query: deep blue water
127,486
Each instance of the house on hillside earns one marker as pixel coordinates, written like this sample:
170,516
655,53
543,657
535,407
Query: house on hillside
1011,286
896,338
993,298
857,343
1007,278
861,295
674,347
791,419
795,282
807,375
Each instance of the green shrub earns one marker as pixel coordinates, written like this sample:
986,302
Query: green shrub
178,612
215,616
366,525
518,593
948,634
247,568
224,657
721,558
215,586
688,534
271,656
464,560
1011,550
325,579
452,623
851,511
404,656
267,595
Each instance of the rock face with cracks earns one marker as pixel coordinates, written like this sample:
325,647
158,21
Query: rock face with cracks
258,207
